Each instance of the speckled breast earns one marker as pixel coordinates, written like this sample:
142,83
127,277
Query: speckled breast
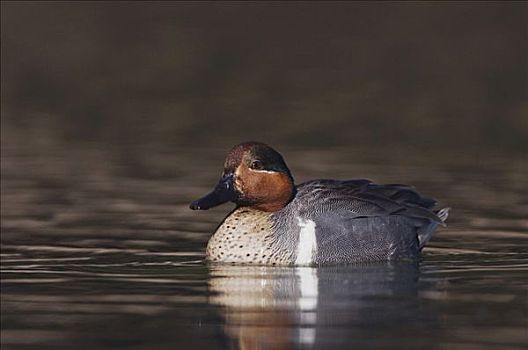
246,237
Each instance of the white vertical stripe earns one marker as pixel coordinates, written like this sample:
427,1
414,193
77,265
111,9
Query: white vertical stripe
307,245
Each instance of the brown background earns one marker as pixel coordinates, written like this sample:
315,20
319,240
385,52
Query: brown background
418,74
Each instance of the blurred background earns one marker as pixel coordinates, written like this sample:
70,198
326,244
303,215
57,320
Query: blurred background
116,115
422,75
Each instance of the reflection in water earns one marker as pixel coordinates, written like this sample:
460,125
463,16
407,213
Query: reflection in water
102,252
278,308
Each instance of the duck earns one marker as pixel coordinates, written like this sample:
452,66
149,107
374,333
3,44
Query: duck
318,222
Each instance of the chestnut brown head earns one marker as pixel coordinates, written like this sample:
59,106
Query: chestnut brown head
255,175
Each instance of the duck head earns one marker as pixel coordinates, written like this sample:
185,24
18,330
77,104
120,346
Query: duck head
255,175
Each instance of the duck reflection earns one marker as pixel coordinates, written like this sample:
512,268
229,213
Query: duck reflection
292,307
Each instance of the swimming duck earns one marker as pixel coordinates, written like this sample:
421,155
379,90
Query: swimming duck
319,222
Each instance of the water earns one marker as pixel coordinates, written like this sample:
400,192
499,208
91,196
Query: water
100,251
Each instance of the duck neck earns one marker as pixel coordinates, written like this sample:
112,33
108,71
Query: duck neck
276,196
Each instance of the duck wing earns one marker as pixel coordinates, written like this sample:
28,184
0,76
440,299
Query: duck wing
362,198
350,202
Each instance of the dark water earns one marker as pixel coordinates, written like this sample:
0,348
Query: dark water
100,251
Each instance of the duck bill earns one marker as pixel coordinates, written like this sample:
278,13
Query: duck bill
222,193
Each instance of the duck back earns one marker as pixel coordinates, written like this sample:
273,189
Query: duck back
357,221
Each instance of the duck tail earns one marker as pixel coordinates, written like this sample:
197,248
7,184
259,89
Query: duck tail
426,231
443,214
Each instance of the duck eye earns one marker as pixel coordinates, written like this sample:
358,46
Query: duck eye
257,165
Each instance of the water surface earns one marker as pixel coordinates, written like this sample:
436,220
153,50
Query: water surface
100,251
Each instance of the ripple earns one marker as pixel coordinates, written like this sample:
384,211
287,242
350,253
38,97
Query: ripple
69,249
122,258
